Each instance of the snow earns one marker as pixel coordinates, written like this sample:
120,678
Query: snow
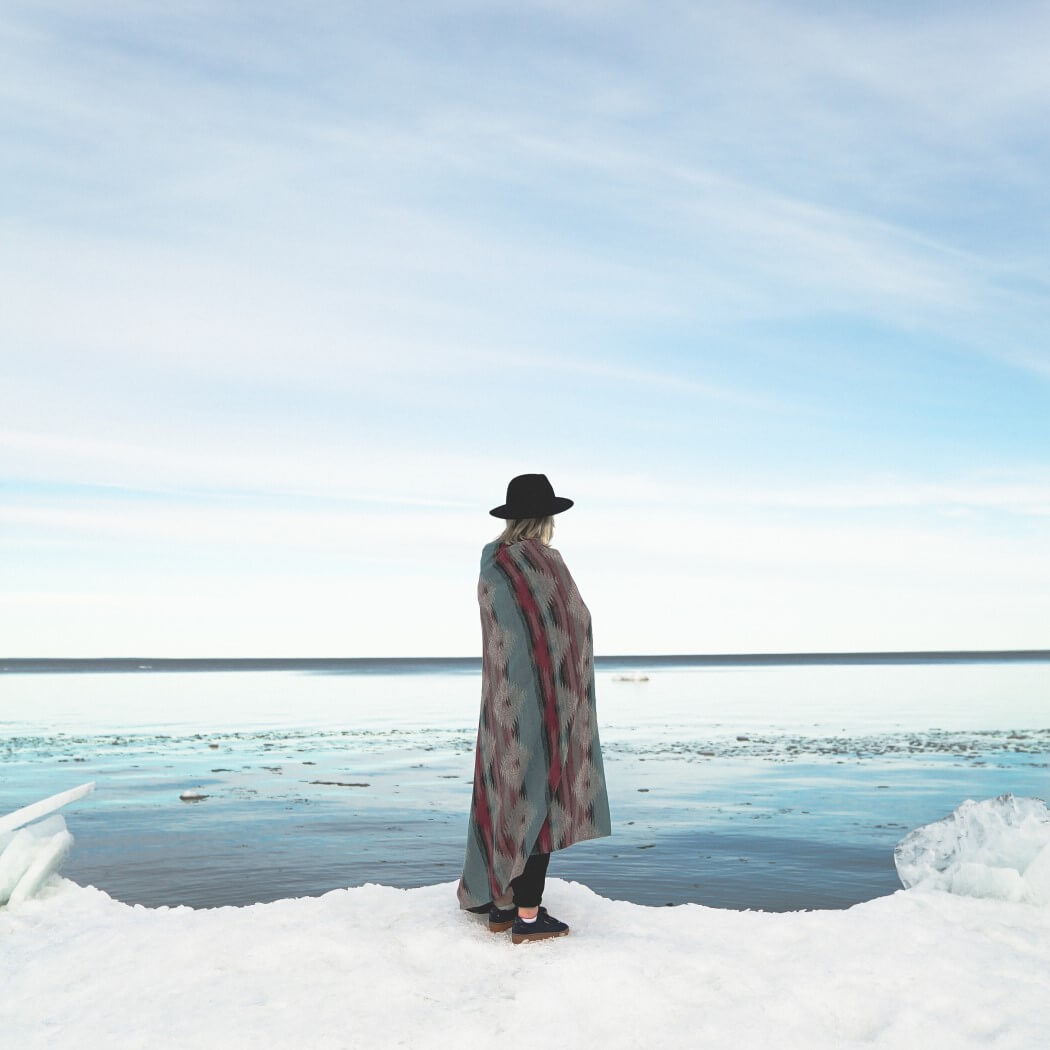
997,848
375,967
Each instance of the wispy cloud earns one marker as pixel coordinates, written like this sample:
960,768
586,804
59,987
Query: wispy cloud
765,277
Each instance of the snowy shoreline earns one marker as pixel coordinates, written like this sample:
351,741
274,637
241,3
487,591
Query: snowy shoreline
374,966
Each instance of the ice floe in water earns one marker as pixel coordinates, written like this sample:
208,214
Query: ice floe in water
998,848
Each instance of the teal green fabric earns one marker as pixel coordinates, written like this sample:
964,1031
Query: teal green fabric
539,779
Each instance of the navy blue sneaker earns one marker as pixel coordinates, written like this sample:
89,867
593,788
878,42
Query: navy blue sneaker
545,926
501,919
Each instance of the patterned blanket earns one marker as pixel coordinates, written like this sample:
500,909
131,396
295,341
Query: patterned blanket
539,782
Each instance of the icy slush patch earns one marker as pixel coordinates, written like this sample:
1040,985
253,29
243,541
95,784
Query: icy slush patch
998,848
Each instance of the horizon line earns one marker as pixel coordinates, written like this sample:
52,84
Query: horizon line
16,665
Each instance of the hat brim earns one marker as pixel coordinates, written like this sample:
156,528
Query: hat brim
556,506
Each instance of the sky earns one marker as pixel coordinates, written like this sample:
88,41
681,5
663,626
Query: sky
290,292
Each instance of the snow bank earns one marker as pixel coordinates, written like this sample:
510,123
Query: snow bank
375,967
998,848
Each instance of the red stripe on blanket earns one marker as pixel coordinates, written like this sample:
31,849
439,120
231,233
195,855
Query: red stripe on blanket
542,660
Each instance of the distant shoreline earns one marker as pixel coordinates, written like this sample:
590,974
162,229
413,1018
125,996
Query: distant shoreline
472,664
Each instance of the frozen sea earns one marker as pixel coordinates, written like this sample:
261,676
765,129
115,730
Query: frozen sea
748,786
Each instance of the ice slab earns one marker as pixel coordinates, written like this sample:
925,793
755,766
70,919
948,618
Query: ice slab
30,856
27,814
34,841
998,848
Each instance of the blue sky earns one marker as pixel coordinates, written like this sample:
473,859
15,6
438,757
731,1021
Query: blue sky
290,292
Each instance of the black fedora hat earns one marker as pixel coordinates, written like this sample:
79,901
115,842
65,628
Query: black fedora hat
530,496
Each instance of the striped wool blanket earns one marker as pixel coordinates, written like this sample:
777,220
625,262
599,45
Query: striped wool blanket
539,782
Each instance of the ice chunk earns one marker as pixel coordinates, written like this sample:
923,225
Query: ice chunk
1037,876
970,879
48,859
33,844
31,856
27,814
984,849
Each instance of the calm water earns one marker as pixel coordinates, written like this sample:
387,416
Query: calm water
763,786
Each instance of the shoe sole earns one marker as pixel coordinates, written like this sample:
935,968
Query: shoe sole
500,927
521,938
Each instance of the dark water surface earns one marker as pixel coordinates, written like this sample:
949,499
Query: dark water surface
783,839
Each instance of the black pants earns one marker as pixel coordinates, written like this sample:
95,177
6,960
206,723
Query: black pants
528,886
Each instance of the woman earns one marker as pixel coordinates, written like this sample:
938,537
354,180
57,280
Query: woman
539,783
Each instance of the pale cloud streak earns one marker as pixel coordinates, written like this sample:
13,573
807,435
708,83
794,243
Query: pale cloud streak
760,283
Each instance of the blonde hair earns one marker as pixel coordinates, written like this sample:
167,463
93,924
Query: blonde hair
517,529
